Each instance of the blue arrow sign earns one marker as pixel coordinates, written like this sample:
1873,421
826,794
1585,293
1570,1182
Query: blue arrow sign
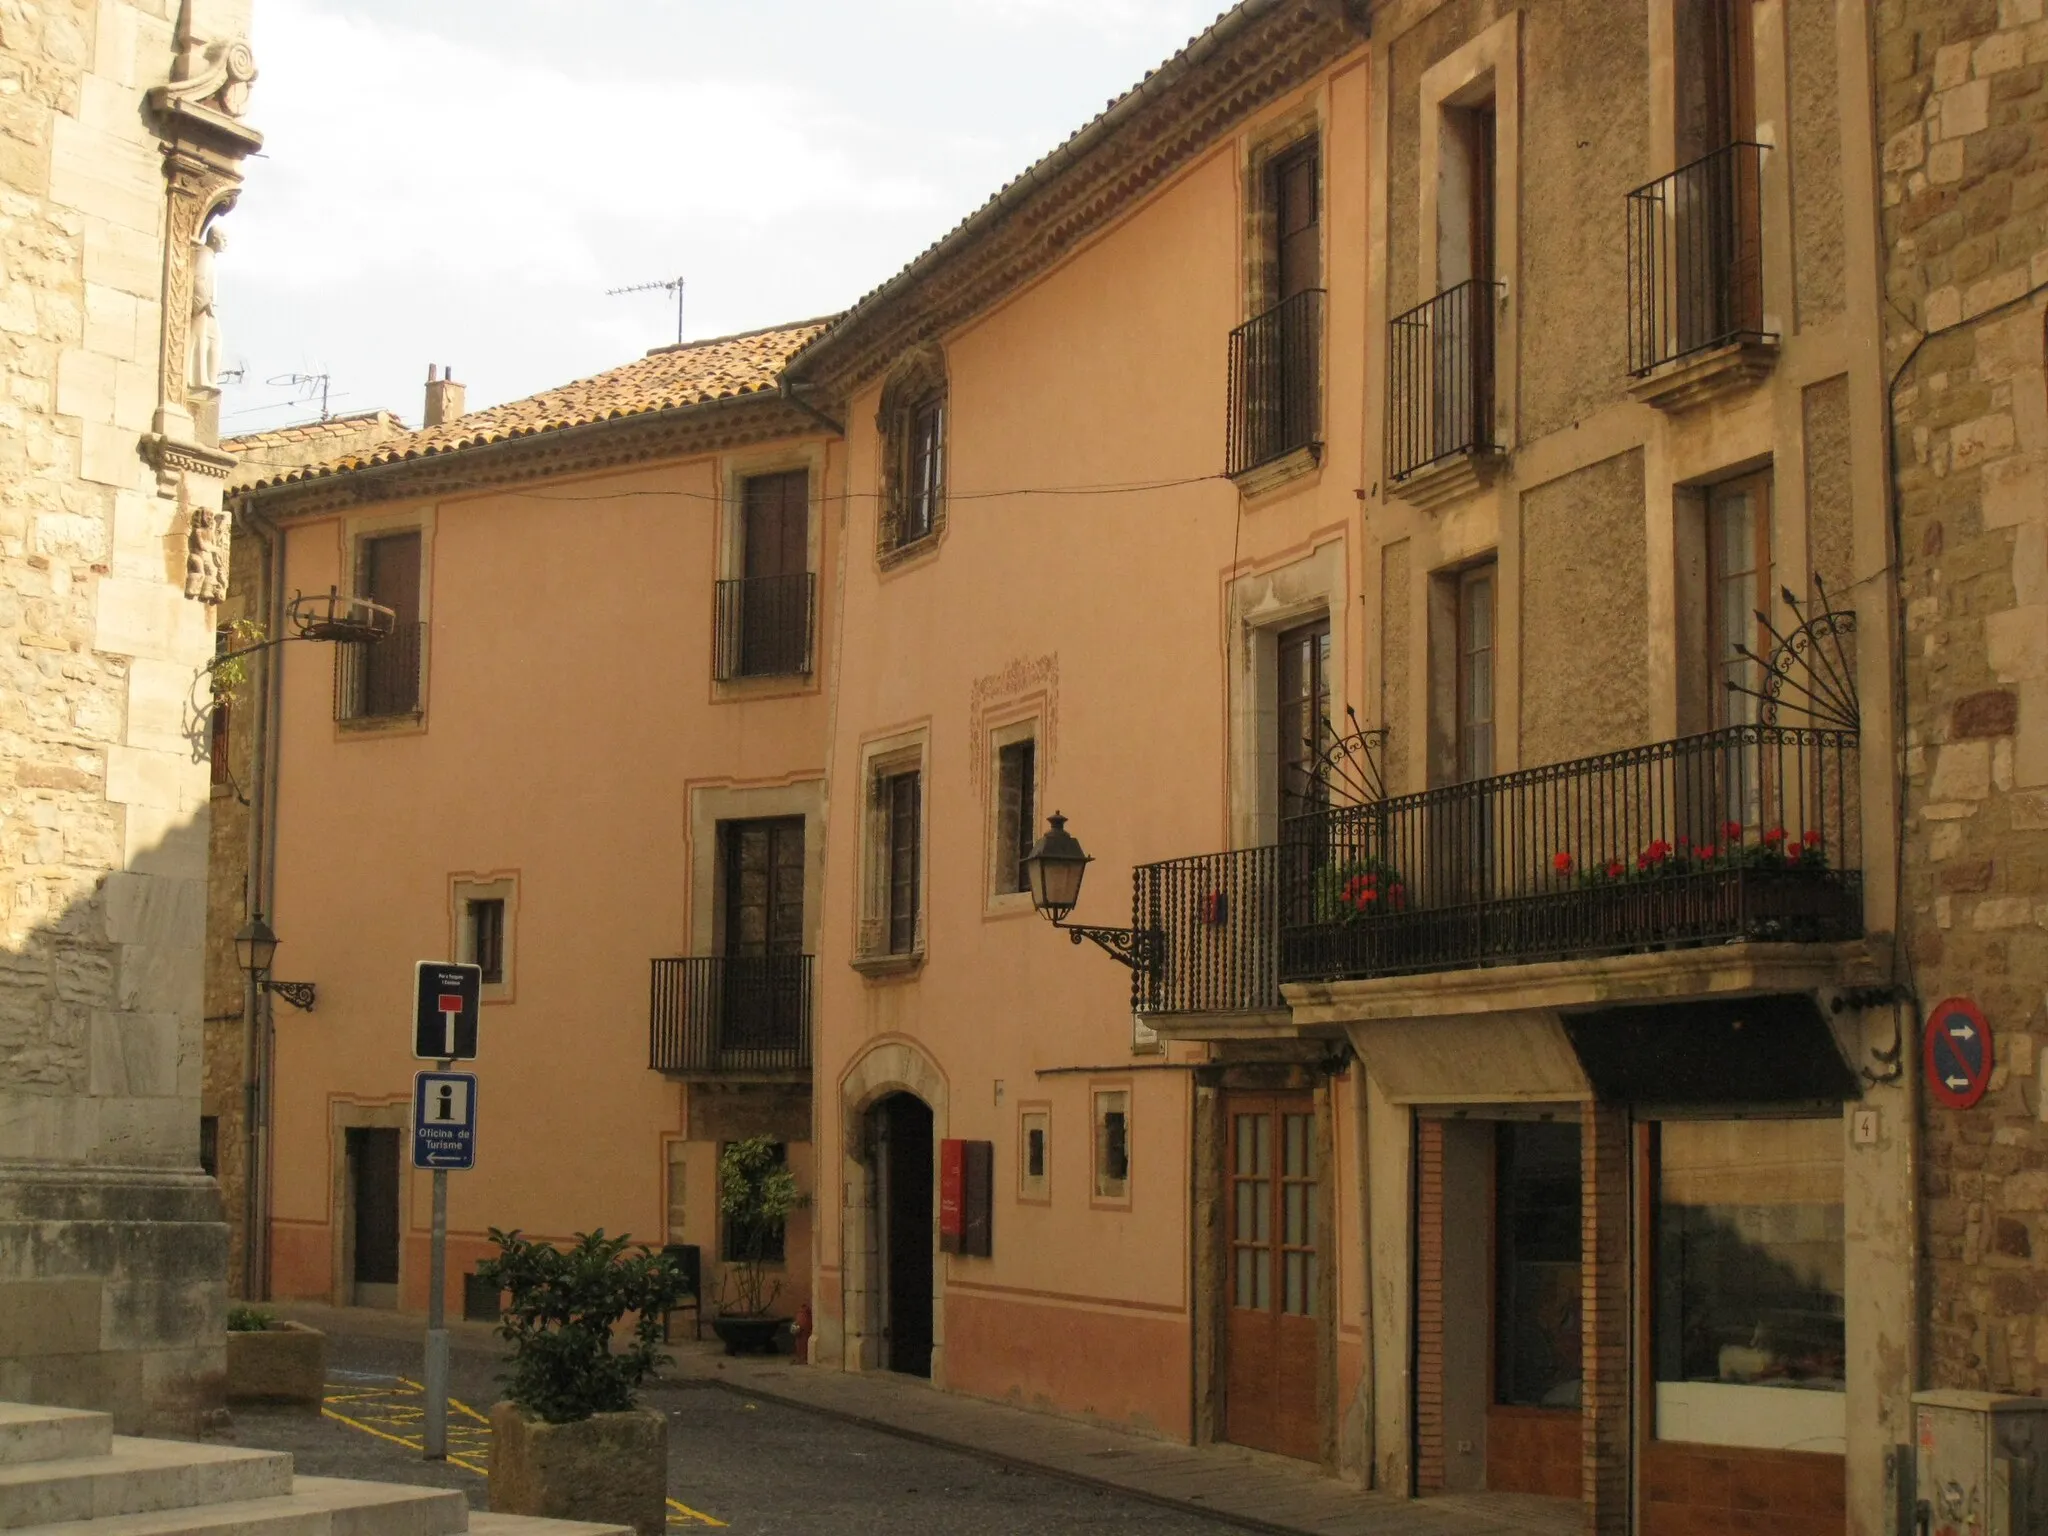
444,1120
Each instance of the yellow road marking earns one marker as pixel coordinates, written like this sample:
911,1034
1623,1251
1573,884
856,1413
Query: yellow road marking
389,1407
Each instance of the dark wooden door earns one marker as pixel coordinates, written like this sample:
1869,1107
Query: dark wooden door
764,934
904,1145
391,666
1304,712
373,1167
775,602
1271,1344
1297,222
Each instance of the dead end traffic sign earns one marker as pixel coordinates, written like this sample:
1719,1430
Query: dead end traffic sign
1957,1053
444,1010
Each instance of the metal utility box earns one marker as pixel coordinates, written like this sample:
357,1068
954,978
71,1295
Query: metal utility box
1981,1464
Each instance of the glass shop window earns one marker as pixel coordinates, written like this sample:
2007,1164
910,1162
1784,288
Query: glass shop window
1536,1246
1747,1333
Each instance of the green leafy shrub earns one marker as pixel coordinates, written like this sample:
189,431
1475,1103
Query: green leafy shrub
244,1319
563,1306
756,1194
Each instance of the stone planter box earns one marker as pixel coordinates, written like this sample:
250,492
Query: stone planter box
610,1469
284,1363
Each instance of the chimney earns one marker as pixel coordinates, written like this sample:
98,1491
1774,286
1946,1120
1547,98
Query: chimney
444,396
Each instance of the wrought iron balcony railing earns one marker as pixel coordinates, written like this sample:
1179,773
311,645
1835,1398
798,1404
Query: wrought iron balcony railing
765,626
1747,833
731,1015
1695,259
1440,373
379,679
1220,915
1276,383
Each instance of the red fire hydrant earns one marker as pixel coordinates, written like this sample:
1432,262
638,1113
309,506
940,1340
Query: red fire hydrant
802,1344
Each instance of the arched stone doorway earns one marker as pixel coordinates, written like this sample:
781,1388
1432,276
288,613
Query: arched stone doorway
900,1132
892,1106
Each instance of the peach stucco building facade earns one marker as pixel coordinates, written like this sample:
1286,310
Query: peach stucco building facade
1408,486
478,788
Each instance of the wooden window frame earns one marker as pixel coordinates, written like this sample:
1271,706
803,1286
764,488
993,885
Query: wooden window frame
1011,829
486,918
881,876
914,425
1722,663
1466,721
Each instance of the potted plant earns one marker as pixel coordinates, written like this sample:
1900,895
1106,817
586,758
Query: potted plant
569,1442
756,1194
274,1362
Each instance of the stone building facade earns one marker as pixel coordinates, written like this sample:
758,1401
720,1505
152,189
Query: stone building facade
1963,98
124,139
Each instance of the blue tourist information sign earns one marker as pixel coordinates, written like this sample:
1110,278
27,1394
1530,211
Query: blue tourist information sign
444,1120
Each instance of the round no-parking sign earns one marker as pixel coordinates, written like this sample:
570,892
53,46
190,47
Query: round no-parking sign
1958,1053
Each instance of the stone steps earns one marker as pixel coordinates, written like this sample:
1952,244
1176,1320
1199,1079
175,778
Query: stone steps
137,1477
65,1473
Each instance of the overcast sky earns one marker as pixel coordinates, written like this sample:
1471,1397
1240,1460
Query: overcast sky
460,181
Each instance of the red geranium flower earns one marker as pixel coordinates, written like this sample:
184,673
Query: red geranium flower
1561,862
1812,839
1616,869
1775,836
1708,851
1732,831
1792,854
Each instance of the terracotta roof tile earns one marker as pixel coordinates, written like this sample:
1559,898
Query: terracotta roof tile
695,373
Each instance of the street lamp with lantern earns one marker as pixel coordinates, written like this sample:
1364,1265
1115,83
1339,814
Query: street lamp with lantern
255,948
1053,870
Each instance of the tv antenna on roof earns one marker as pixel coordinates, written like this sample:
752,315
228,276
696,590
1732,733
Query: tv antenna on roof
311,383
672,284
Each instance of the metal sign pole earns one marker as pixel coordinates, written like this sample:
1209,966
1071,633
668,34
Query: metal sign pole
436,1439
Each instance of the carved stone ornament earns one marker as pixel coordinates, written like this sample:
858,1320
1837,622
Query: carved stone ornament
206,556
213,75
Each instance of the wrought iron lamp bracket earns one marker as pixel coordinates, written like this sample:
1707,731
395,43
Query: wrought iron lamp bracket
1141,949
298,993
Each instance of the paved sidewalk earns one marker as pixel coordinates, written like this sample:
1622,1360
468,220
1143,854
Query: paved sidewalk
1259,1492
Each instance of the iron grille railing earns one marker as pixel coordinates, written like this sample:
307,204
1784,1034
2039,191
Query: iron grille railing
1695,259
731,1014
379,679
765,626
1440,372
1219,914
1276,382
1751,832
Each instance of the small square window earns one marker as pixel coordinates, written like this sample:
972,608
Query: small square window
1112,1144
487,939
1034,1169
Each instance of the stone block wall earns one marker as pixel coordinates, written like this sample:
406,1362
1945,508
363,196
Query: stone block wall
1963,97
110,1243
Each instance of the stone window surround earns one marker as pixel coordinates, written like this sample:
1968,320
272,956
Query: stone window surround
493,885
1022,724
1033,1191
345,1115
912,381
1773,90
734,470
353,533
1488,65
1098,1088
881,757
1288,130
709,804
1440,682
886,1066
1258,605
